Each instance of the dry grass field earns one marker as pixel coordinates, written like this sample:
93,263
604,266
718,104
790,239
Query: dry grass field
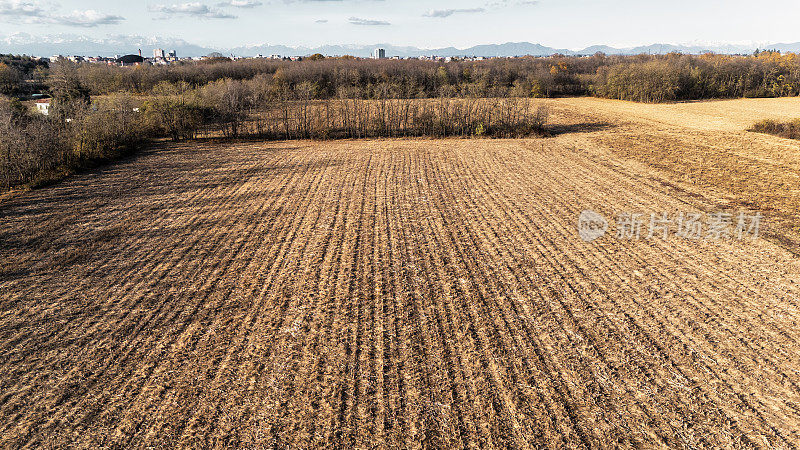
702,148
410,293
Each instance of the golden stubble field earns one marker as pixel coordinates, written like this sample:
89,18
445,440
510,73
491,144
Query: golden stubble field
702,148
409,293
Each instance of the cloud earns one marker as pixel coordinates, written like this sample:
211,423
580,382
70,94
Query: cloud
449,12
32,13
322,21
20,8
507,3
194,9
241,3
89,18
367,22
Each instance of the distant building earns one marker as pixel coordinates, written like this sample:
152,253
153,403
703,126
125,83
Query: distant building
379,53
173,55
158,53
129,60
43,106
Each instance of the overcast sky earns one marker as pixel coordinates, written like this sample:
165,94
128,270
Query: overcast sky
569,24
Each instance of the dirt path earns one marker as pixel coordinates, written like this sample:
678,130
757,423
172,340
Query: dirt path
385,293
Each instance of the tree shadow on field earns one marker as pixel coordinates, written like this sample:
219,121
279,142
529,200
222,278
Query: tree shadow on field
584,127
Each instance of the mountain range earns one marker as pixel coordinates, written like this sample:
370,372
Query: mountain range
23,43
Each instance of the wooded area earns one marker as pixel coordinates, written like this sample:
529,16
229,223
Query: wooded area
99,111
647,78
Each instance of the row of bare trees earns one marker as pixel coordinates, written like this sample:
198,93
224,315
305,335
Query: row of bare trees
235,108
365,78
650,78
357,118
679,77
81,130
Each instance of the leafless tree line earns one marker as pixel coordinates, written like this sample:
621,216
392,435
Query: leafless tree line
651,78
236,108
358,118
79,131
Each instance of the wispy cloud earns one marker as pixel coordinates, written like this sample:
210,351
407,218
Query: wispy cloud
241,3
321,21
449,12
32,13
507,3
496,4
367,22
194,9
88,18
20,8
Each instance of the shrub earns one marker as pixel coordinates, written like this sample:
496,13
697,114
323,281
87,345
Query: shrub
30,145
36,147
172,117
106,129
789,130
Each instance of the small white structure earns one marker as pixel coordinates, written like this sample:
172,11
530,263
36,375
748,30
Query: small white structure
379,53
43,106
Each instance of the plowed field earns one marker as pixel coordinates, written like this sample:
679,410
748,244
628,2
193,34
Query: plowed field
397,293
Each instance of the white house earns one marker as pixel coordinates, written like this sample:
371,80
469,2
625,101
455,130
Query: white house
43,106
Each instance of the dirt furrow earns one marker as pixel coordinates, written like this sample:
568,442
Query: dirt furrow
394,293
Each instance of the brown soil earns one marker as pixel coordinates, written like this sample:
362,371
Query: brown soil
397,293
